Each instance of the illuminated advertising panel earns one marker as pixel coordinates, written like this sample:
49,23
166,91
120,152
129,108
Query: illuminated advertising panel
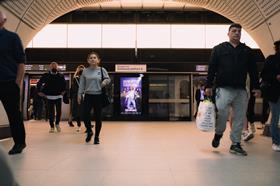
131,95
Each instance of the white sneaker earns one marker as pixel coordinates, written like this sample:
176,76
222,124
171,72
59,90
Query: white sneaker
275,147
246,136
58,129
78,129
51,130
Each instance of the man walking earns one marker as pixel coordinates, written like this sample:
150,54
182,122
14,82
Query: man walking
229,65
12,63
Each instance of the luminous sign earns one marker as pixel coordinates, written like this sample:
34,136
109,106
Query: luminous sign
131,95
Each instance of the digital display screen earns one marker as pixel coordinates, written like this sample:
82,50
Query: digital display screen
131,95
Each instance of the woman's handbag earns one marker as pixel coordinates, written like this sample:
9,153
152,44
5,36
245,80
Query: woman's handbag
105,97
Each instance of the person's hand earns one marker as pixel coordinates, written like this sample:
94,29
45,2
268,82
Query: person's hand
103,84
41,94
278,77
256,93
79,99
208,92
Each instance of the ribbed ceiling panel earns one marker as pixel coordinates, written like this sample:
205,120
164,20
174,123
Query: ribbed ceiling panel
90,2
17,7
268,7
200,3
62,8
247,13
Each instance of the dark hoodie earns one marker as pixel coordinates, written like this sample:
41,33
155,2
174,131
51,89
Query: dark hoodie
52,84
228,66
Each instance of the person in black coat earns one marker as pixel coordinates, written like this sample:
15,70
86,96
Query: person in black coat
271,91
52,86
76,109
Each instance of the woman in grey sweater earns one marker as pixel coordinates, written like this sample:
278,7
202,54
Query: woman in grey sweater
91,84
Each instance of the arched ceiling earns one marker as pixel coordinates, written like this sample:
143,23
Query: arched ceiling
260,18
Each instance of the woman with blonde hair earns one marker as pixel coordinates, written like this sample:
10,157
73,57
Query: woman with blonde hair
92,80
76,109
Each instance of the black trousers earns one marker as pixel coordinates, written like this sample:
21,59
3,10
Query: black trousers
93,101
10,98
77,110
251,109
265,111
53,105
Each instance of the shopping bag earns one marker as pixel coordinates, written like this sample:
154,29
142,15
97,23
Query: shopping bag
206,116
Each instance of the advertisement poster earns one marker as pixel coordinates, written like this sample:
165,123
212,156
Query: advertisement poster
131,95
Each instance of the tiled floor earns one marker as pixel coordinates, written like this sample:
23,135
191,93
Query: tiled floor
140,154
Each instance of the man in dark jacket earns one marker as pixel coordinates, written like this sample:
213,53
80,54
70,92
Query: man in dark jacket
52,86
271,80
12,63
229,65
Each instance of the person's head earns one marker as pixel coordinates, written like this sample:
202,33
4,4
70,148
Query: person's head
277,46
3,19
79,70
234,32
93,59
53,67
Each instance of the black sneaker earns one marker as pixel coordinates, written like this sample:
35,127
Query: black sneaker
17,149
237,149
216,140
96,141
89,136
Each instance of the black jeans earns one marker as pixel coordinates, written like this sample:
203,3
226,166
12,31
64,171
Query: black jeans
93,101
251,109
10,98
76,110
51,105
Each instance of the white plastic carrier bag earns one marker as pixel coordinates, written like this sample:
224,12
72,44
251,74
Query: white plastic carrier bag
206,116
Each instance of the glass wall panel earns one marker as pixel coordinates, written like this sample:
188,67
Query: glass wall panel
52,36
187,36
130,36
84,36
169,97
215,34
118,36
153,36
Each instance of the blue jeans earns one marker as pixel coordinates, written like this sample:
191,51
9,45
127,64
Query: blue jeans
275,111
227,97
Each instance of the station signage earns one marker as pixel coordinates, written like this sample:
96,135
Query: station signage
131,68
42,67
201,68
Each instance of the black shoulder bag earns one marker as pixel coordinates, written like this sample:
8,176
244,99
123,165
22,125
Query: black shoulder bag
105,98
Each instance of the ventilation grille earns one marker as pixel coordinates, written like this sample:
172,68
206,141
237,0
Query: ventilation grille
268,7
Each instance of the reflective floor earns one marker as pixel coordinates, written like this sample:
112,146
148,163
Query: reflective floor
141,154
